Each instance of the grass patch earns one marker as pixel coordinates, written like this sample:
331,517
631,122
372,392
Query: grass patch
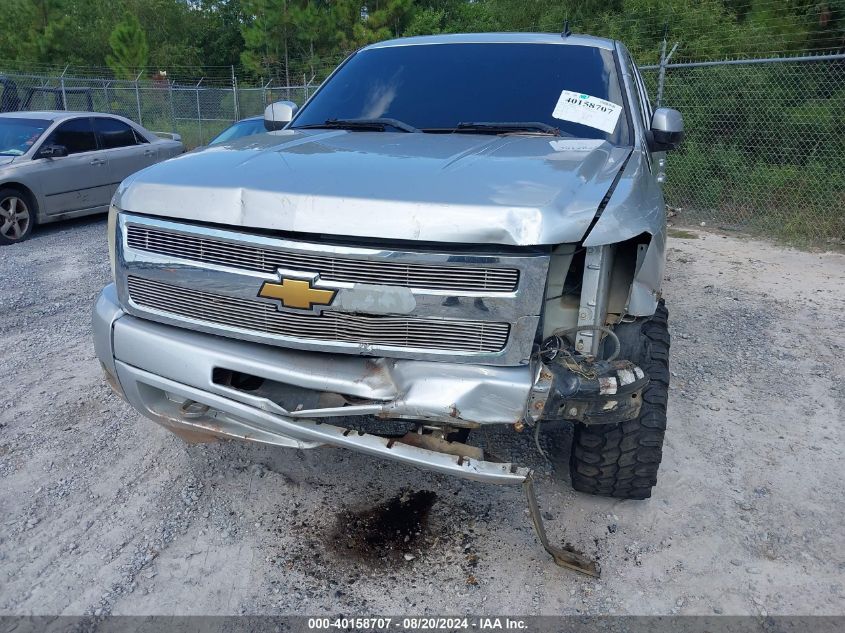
681,234
194,133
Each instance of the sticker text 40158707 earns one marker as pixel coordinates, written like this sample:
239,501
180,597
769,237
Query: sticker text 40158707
577,107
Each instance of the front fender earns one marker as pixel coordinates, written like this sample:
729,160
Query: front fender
636,207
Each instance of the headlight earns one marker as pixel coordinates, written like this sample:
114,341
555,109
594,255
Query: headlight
111,228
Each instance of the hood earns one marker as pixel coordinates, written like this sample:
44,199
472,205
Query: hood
6,160
519,190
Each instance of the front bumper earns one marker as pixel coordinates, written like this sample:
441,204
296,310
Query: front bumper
182,380
168,374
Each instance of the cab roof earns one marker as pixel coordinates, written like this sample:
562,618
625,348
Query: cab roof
499,38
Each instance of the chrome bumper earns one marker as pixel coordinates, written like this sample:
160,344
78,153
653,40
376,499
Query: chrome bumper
160,368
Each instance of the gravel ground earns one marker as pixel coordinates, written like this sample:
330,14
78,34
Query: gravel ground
104,512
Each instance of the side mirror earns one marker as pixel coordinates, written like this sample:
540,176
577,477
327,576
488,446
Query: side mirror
277,115
667,130
52,151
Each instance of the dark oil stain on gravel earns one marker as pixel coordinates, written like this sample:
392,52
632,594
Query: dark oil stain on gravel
387,531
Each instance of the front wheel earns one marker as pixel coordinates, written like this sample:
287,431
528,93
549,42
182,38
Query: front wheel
17,216
621,460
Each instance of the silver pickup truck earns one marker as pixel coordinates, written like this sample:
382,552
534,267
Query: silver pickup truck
454,231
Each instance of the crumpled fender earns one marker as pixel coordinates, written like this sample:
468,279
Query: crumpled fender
635,207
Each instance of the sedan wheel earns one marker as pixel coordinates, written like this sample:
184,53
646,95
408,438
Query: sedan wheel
15,218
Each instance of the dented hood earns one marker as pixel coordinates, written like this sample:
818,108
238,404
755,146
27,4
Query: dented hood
520,190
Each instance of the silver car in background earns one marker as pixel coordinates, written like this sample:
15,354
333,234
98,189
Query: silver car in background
240,129
56,165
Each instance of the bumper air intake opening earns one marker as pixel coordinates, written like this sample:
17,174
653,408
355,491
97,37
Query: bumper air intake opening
236,379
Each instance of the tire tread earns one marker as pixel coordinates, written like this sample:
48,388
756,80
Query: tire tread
622,460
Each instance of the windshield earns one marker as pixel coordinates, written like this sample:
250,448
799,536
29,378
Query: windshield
18,135
239,130
438,87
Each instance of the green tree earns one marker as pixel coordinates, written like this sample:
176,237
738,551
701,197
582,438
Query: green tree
266,35
314,42
284,38
130,51
219,37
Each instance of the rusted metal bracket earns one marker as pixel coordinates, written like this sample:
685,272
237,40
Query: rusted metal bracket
562,557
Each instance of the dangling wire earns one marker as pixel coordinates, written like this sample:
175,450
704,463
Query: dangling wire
617,346
553,348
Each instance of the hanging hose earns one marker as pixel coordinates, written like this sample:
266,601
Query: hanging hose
537,441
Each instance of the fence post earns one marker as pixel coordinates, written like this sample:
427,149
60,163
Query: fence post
664,62
62,83
264,92
661,75
308,85
235,95
138,98
199,111
106,85
172,108
42,83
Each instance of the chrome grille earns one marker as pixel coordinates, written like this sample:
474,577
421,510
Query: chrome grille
458,278
258,316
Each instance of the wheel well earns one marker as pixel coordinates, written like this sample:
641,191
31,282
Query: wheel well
566,273
626,258
33,200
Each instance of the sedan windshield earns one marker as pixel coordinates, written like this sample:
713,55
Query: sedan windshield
239,130
18,135
471,88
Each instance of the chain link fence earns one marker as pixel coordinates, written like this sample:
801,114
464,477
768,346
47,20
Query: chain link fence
198,111
765,145
764,149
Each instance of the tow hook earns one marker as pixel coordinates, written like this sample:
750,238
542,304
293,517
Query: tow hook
564,557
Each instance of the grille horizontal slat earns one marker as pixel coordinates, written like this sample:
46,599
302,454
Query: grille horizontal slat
388,272
258,316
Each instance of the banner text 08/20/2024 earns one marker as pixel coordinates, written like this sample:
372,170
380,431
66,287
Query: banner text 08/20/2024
417,624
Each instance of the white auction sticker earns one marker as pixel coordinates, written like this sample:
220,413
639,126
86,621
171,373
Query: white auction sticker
578,107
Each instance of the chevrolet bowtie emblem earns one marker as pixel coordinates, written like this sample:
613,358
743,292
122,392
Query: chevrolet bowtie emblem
296,293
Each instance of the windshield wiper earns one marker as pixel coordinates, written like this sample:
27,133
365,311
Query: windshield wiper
525,127
369,125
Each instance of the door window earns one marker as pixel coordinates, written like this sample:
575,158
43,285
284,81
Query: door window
114,133
77,135
139,138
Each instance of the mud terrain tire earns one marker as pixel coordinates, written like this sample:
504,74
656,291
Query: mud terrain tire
621,460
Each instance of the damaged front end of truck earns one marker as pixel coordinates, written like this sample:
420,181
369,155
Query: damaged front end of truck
390,291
